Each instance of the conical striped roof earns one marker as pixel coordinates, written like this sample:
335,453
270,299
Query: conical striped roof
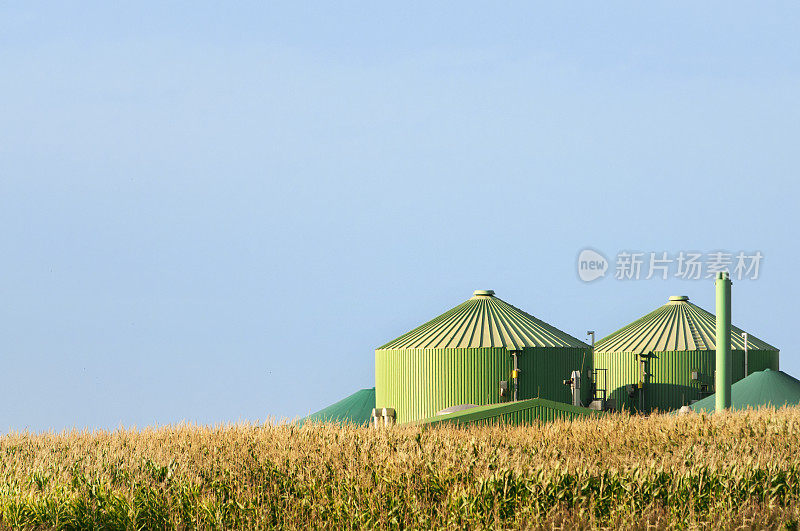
484,321
676,326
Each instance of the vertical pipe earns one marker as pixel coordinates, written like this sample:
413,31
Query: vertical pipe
514,353
744,336
723,354
592,377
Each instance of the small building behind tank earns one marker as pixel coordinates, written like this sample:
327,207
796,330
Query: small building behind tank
667,358
467,355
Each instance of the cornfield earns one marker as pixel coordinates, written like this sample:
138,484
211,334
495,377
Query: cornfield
618,471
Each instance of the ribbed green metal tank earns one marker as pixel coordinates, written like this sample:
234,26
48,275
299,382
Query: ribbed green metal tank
667,358
462,356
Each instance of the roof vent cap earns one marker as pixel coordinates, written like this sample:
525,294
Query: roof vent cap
483,293
679,298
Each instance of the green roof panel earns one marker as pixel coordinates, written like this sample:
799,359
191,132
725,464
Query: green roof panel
520,412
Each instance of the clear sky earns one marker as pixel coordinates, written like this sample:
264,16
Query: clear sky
214,213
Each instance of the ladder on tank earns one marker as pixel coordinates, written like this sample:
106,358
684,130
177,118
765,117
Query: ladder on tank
600,392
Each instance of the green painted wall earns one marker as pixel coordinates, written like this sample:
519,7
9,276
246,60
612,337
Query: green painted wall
545,369
419,382
669,385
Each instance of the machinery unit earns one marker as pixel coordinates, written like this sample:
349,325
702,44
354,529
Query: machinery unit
574,384
383,416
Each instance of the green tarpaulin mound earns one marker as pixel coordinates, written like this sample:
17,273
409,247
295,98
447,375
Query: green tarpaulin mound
355,409
762,388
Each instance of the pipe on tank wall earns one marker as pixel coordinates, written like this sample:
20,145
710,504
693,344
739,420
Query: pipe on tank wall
723,354
515,374
744,336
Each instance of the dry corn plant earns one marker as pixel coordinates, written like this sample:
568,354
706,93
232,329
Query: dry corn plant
722,471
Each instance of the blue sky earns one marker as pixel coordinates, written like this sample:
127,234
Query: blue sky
215,213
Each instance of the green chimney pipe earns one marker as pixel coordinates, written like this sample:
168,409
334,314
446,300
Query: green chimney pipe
723,357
